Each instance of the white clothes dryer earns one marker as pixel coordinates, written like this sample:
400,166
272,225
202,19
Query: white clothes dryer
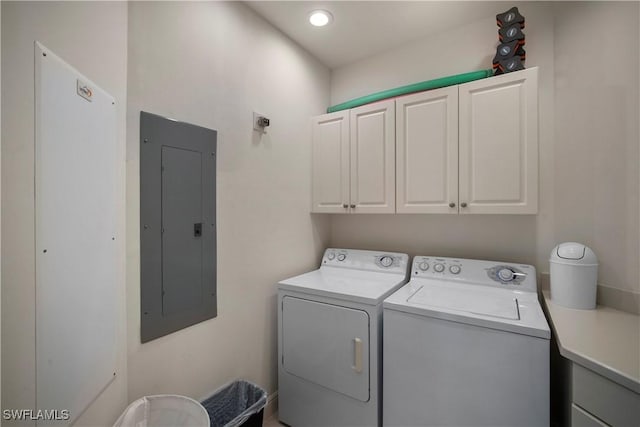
466,344
329,338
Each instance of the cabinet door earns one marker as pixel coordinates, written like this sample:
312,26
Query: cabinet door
427,152
373,158
581,418
330,154
499,144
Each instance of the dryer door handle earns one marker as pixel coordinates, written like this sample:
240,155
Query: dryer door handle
357,355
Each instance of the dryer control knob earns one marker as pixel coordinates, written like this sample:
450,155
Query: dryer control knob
342,257
331,256
506,274
424,266
455,269
386,261
439,268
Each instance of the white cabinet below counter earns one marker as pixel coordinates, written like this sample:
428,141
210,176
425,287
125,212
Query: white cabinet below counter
470,148
595,366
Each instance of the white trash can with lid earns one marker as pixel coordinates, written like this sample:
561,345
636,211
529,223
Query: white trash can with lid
165,410
574,276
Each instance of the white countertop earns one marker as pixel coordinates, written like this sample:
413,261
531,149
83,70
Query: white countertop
605,340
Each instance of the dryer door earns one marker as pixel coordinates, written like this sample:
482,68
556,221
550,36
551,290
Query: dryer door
327,345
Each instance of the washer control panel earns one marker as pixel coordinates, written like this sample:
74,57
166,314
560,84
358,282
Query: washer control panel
471,271
434,267
366,260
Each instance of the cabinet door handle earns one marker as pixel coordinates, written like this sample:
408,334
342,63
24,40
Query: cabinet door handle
463,205
357,355
344,205
353,206
452,205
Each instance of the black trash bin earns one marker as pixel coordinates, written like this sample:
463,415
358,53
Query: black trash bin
240,403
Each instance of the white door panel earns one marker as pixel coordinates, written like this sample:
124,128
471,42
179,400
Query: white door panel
327,345
373,158
499,144
330,181
427,151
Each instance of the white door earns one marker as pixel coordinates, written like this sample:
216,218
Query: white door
427,152
499,144
373,158
327,345
330,176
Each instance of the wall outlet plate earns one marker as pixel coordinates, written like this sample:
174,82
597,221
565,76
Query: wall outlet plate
256,126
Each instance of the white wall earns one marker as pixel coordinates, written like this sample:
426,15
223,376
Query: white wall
588,59
461,49
212,64
93,38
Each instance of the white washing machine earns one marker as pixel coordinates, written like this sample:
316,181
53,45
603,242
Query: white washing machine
466,344
330,338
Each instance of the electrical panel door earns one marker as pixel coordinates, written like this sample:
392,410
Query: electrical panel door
181,229
177,225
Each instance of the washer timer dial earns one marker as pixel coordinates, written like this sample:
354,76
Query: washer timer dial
424,266
506,274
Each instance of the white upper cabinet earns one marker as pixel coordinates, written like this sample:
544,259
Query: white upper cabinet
427,152
373,173
498,127
469,149
330,180
354,160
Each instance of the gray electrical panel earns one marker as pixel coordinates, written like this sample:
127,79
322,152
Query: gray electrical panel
177,225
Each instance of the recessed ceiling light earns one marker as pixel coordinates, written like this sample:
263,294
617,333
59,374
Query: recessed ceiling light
320,18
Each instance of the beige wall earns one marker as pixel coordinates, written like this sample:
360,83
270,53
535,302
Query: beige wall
595,192
0,213
92,37
212,64
588,59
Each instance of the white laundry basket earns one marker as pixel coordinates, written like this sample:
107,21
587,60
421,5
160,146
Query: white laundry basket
165,410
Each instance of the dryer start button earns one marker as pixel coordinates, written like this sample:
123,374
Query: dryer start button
386,261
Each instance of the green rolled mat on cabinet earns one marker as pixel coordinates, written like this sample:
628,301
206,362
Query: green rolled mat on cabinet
415,87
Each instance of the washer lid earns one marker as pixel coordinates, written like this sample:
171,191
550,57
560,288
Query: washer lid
484,306
485,302
365,287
